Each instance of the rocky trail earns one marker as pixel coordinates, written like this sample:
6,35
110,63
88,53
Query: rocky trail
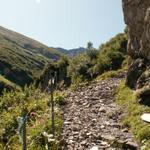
92,119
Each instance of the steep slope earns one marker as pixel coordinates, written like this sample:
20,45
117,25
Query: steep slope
6,84
72,52
21,58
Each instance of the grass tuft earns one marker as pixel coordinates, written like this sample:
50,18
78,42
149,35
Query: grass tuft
133,110
109,74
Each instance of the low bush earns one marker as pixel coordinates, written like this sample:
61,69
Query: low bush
60,98
109,74
38,118
93,63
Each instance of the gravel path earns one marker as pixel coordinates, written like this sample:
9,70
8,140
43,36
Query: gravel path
91,119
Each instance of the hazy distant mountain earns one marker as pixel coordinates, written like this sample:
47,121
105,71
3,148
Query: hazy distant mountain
21,58
72,52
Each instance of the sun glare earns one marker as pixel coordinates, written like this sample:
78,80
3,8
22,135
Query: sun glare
38,1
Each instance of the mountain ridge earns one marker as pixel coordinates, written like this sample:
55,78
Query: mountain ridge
71,52
22,59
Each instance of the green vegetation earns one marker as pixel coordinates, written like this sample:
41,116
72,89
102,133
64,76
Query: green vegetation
7,82
109,74
114,73
19,54
2,79
7,85
21,58
57,70
92,63
60,98
23,61
38,119
127,99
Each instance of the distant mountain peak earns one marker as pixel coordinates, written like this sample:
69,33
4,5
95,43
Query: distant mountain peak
71,52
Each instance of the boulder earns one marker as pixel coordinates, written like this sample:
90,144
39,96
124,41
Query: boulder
144,96
135,71
144,80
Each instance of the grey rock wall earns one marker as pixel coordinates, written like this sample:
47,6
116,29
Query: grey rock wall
137,18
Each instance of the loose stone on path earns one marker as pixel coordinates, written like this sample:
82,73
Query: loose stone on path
92,119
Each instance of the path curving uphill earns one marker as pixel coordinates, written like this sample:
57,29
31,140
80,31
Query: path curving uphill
92,119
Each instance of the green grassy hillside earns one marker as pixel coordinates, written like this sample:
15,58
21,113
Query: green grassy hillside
21,58
6,84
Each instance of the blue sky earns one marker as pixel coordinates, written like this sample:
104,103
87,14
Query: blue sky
64,23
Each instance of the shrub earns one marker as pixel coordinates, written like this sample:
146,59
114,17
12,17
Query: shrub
36,104
109,56
92,54
60,99
116,59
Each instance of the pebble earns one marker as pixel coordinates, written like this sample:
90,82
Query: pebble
94,148
91,119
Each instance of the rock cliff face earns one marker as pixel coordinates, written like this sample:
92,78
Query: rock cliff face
137,18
